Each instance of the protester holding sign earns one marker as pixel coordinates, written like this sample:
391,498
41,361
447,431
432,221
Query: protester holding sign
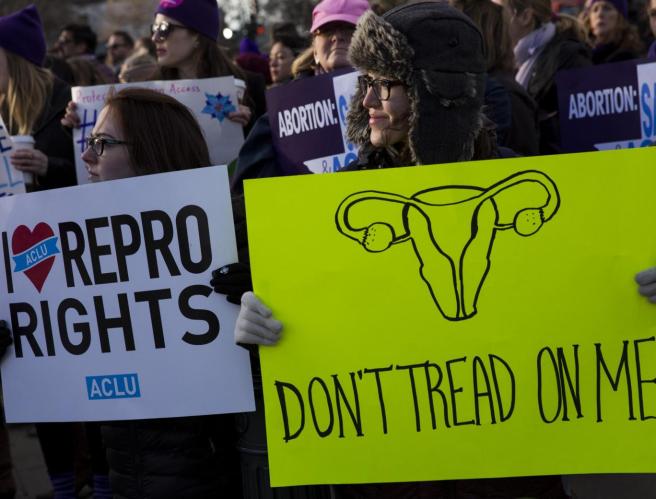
165,457
32,101
185,36
333,23
612,37
544,45
419,101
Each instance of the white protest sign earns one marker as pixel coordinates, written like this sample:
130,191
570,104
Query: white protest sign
210,100
11,180
107,294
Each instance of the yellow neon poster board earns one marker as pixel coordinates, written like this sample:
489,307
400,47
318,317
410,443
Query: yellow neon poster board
459,321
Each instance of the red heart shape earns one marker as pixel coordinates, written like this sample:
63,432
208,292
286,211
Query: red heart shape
23,239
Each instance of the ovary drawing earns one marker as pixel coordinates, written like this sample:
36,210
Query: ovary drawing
451,228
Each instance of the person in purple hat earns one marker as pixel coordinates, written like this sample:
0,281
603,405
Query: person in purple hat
333,24
185,34
33,100
611,36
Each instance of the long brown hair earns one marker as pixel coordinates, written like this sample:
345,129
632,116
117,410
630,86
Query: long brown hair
210,61
162,133
27,94
491,20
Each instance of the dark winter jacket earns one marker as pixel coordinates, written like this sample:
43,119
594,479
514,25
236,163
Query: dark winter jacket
257,157
613,52
176,458
522,136
498,107
54,141
564,51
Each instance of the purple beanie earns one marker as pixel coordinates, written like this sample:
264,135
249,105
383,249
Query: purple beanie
22,34
621,6
248,46
200,15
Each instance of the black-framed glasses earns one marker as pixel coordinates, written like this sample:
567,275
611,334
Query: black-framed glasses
161,31
382,88
97,143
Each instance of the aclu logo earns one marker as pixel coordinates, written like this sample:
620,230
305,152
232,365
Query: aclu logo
113,386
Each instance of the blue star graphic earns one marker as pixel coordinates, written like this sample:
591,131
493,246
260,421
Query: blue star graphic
218,106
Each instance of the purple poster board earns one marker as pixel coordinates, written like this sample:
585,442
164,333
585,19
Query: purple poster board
308,122
611,106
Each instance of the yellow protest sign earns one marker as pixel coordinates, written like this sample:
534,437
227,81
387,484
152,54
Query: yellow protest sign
459,321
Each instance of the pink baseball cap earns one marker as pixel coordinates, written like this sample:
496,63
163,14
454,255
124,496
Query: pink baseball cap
328,11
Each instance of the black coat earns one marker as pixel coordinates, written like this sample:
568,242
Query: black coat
613,52
522,136
176,458
564,51
52,139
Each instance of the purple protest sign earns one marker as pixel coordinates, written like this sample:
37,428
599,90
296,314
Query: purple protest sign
308,122
605,107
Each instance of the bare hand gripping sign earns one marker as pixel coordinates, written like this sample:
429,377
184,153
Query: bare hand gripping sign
460,256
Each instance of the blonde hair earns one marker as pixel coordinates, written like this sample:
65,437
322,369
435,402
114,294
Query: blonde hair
304,62
28,91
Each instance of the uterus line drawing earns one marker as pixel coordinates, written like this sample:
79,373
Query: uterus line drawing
452,230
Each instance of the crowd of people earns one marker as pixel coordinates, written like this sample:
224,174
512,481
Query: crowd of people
440,82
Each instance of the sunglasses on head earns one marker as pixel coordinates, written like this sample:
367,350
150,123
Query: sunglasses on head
161,31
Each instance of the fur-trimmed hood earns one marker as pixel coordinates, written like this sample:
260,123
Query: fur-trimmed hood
438,53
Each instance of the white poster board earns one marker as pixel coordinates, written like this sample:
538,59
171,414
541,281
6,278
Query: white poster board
11,180
209,99
106,290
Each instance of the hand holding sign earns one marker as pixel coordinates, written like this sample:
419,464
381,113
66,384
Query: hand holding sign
255,323
232,280
647,283
71,119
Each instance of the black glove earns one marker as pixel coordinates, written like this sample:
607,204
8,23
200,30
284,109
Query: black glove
233,281
5,338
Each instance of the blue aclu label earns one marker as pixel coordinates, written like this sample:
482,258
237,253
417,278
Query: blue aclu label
113,386
36,254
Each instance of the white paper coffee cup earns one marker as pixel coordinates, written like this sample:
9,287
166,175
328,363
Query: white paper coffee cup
24,142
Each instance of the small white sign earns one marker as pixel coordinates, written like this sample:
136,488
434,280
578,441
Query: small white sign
209,99
106,290
11,180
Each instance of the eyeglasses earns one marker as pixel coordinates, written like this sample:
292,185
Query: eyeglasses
331,29
382,88
97,144
161,31
116,46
